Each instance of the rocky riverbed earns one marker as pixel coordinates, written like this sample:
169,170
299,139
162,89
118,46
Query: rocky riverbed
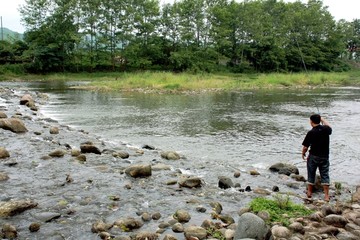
61,183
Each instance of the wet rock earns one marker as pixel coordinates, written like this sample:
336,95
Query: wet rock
208,224
146,236
227,219
121,154
237,174
297,227
3,176
140,170
100,226
346,236
47,216
105,235
34,227
229,234
248,189
156,216
200,209
89,148
189,182
250,226
265,215
128,224
54,130
26,99
177,227
75,152
13,124
328,209
13,207
275,189
351,227
294,185
169,237
284,168
335,220
4,153
160,167
356,196
57,153
216,207
149,147
254,172
9,231
280,232
146,217
3,115
316,217
262,191
170,155
182,216
195,232
298,178
330,230
225,182
81,158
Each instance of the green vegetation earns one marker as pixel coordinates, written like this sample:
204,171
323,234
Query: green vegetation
177,82
281,209
215,233
196,36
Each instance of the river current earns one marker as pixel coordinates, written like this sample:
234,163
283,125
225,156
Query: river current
244,129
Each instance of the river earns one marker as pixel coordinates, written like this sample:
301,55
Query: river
240,130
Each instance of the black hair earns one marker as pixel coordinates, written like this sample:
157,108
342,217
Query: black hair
315,118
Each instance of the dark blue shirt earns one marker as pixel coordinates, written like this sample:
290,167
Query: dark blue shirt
318,139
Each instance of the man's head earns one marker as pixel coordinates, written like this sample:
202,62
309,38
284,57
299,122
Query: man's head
315,118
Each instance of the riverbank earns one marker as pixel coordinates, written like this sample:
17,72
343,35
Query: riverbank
178,82
75,194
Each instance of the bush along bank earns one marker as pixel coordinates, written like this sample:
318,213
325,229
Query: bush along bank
61,183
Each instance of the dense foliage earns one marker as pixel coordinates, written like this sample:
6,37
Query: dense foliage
187,35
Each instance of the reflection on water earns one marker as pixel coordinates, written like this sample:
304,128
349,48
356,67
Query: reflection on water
249,128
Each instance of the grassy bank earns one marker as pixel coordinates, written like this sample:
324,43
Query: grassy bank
167,81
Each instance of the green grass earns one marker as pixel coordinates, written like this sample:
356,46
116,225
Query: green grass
168,81
280,209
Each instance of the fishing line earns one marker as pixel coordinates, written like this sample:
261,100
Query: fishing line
306,71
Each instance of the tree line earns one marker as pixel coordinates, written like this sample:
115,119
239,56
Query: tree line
187,35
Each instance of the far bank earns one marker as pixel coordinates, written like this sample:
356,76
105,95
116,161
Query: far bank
178,82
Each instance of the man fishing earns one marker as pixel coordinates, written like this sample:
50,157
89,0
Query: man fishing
318,140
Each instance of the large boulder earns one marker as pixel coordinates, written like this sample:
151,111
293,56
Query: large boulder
13,124
284,168
250,226
10,208
4,153
140,170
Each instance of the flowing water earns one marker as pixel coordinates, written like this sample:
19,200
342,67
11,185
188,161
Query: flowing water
217,132
238,129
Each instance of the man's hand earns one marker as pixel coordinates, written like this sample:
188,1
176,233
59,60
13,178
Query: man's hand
304,156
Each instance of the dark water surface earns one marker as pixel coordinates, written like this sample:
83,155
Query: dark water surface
232,129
